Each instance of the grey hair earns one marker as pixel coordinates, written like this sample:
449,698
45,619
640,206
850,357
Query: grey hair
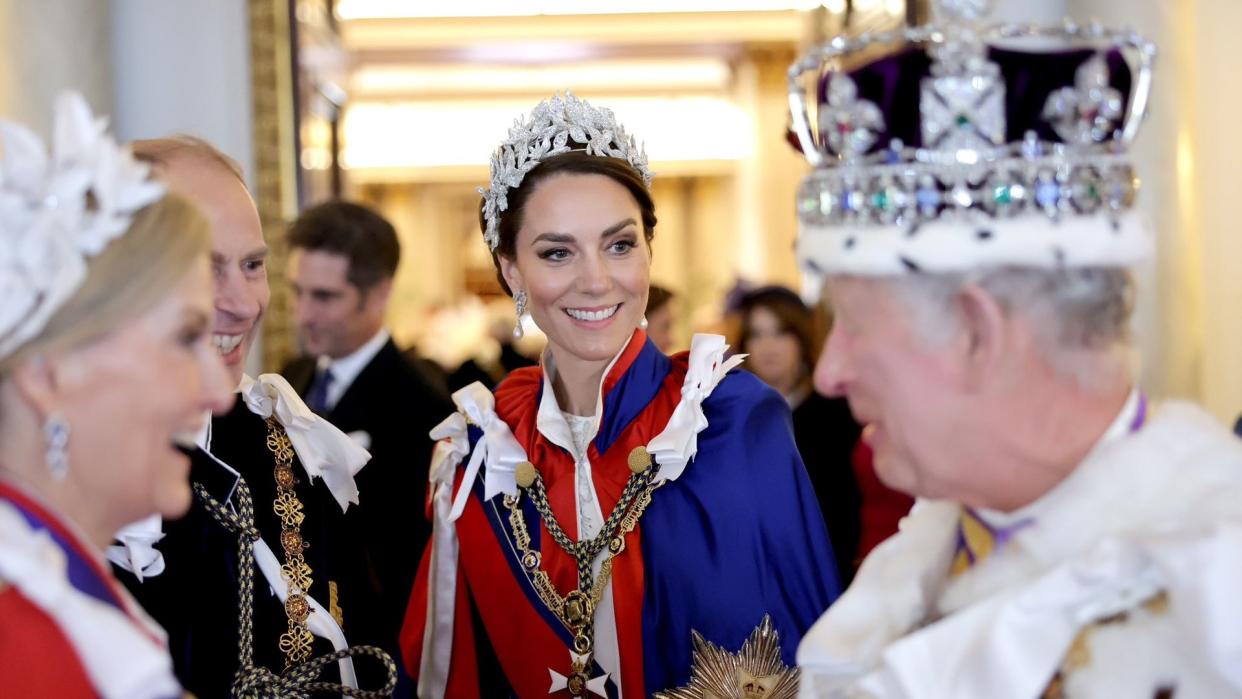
1080,316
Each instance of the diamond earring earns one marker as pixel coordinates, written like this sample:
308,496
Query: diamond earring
519,307
56,435
643,323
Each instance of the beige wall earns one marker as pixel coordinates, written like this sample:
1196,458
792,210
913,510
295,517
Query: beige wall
1189,322
48,46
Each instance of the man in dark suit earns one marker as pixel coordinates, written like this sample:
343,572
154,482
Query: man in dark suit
341,269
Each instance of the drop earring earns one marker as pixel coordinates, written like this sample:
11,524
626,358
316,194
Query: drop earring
519,307
56,435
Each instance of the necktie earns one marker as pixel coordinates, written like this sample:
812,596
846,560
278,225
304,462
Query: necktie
317,397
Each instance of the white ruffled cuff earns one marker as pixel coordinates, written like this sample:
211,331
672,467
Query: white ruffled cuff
136,550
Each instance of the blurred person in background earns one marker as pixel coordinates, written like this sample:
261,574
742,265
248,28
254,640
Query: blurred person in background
107,373
781,338
341,266
661,317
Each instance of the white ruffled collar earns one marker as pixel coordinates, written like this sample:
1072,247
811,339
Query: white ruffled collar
551,420
672,448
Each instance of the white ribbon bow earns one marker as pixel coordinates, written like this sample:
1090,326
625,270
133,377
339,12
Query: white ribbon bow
325,451
498,449
136,551
679,442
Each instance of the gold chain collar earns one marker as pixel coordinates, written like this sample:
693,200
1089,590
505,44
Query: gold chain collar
295,642
576,610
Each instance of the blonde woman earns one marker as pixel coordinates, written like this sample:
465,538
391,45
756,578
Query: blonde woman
106,374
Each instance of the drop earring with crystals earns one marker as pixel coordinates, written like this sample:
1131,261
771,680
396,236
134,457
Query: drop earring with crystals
643,323
519,307
56,435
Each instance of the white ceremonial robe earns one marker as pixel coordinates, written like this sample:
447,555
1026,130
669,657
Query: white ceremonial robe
1128,583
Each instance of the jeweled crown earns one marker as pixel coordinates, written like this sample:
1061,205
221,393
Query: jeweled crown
968,129
560,124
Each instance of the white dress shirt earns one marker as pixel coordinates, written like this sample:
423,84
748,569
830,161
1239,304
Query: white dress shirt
346,369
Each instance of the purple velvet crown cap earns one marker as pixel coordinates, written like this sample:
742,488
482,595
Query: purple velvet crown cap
893,84
969,146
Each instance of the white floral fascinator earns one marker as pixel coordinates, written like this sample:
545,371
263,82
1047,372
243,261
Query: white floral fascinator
57,210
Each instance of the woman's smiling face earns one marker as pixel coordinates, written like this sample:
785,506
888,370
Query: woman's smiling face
582,259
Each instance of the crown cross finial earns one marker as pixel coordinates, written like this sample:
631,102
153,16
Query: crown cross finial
1088,112
850,125
962,10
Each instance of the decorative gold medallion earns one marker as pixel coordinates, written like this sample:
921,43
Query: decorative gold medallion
577,610
297,608
640,459
755,672
285,477
525,474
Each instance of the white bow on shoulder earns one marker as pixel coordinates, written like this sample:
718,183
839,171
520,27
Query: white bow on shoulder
325,451
498,448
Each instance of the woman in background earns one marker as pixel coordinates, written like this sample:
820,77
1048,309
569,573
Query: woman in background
106,373
661,318
781,337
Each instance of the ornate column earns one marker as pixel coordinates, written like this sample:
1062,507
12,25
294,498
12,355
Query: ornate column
275,183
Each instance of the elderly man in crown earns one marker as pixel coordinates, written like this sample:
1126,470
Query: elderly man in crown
972,211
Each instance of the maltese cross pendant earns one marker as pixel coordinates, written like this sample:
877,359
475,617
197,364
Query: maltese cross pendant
578,683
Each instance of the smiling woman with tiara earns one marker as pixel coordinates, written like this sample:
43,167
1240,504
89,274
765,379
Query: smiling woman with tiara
608,516
106,374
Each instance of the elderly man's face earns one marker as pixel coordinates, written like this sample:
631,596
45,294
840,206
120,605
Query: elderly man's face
906,392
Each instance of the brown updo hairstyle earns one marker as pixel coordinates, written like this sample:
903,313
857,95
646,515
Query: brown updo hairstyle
574,162
793,316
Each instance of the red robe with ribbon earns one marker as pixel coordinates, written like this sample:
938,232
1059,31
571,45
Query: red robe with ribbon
738,535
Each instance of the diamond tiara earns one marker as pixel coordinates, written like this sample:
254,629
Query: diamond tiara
57,210
560,124
971,128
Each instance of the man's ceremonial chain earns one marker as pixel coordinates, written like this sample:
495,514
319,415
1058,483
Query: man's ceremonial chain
296,642
577,609
252,681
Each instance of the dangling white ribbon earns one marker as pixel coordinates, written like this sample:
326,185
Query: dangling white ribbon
679,442
325,451
498,449
452,445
